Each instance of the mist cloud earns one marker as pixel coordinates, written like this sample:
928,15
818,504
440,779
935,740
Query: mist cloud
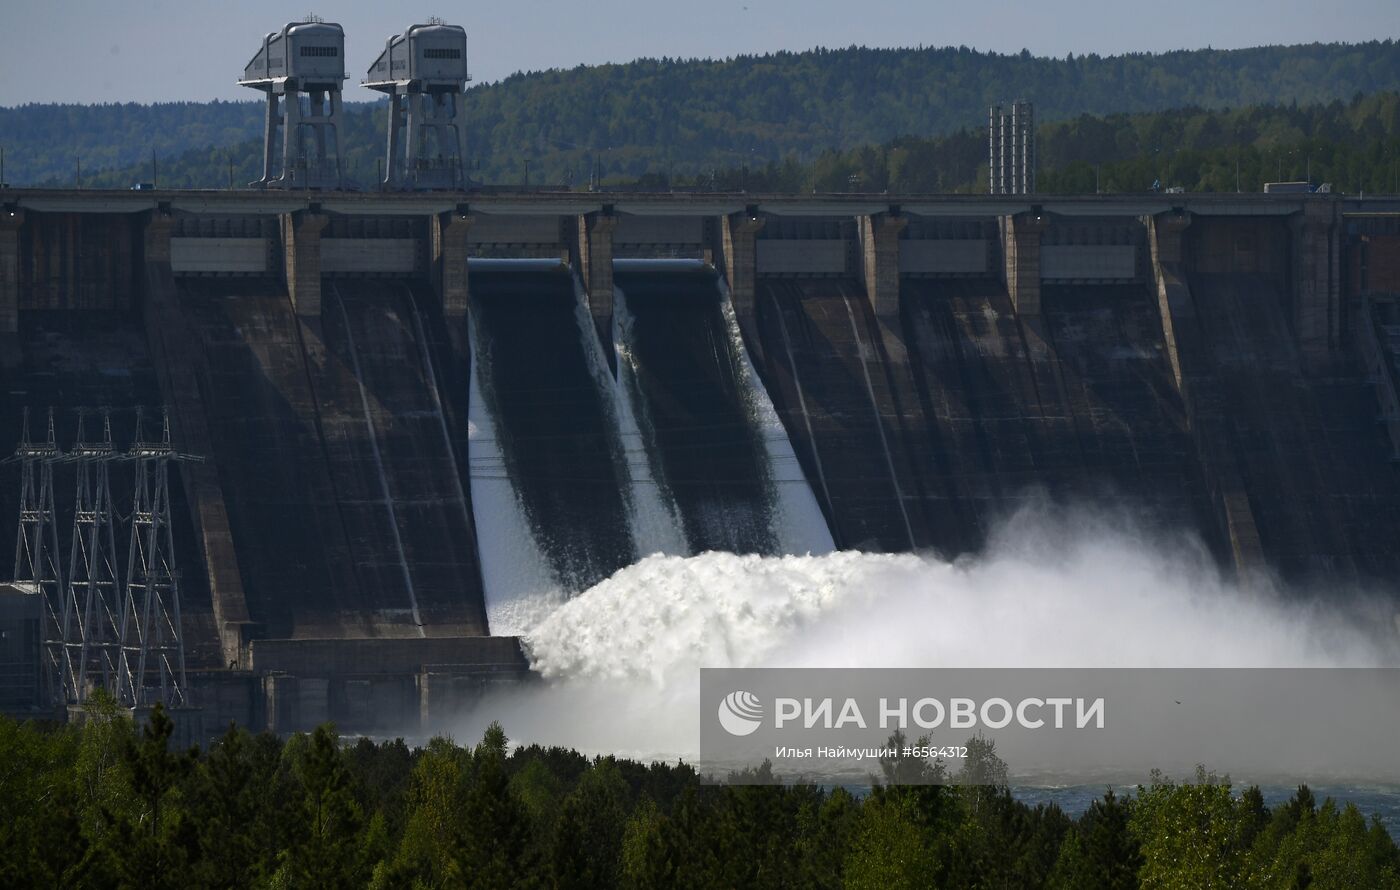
1054,588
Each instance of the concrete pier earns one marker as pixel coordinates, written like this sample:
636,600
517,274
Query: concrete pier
1021,249
10,223
1200,391
879,237
301,253
179,368
595,256
449,262
739,231
1317,305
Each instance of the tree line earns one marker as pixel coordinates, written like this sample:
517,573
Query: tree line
688,117
1353,145
110,804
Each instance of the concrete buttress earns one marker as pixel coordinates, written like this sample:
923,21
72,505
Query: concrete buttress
740,232
1195,375
10,222
595,267
177,356
301,252
450,262
1022,254
879,242
1317,283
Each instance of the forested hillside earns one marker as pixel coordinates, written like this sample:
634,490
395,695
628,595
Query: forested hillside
1353,145
687,116
47,142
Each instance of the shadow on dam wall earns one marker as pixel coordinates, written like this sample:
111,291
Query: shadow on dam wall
94,359
850,423
935,425
1115,383
291,546
559,441
711,455
392,460
1315,465
334,461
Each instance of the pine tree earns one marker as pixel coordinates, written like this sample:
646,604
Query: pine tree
153,841
326,851
1099,852
430,842
493,828
587,847
231,808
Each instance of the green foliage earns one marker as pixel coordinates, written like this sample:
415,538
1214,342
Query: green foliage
1191,835
153,840
1100,852
587,847
1355,146
40,807
237,809
1305,845
644,861
46,143
889,849
324,849
103,805
658,121
426,852
494,830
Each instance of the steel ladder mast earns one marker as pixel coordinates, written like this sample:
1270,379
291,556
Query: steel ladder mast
36,550
93,605
152,640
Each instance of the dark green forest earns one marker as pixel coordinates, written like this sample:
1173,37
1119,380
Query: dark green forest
681,118
107,804
1353,145
48,143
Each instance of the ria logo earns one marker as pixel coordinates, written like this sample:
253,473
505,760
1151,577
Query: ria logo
740,713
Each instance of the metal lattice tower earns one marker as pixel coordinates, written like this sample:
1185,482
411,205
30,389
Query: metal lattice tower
424,71
152,664
93,605
305,60
36,550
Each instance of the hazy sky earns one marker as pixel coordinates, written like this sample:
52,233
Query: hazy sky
156,50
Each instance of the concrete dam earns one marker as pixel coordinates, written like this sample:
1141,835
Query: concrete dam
417,411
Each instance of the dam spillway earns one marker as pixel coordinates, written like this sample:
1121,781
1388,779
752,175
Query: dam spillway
710,454
560,448
1217,364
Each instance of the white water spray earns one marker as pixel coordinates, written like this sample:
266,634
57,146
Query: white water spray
1053,589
